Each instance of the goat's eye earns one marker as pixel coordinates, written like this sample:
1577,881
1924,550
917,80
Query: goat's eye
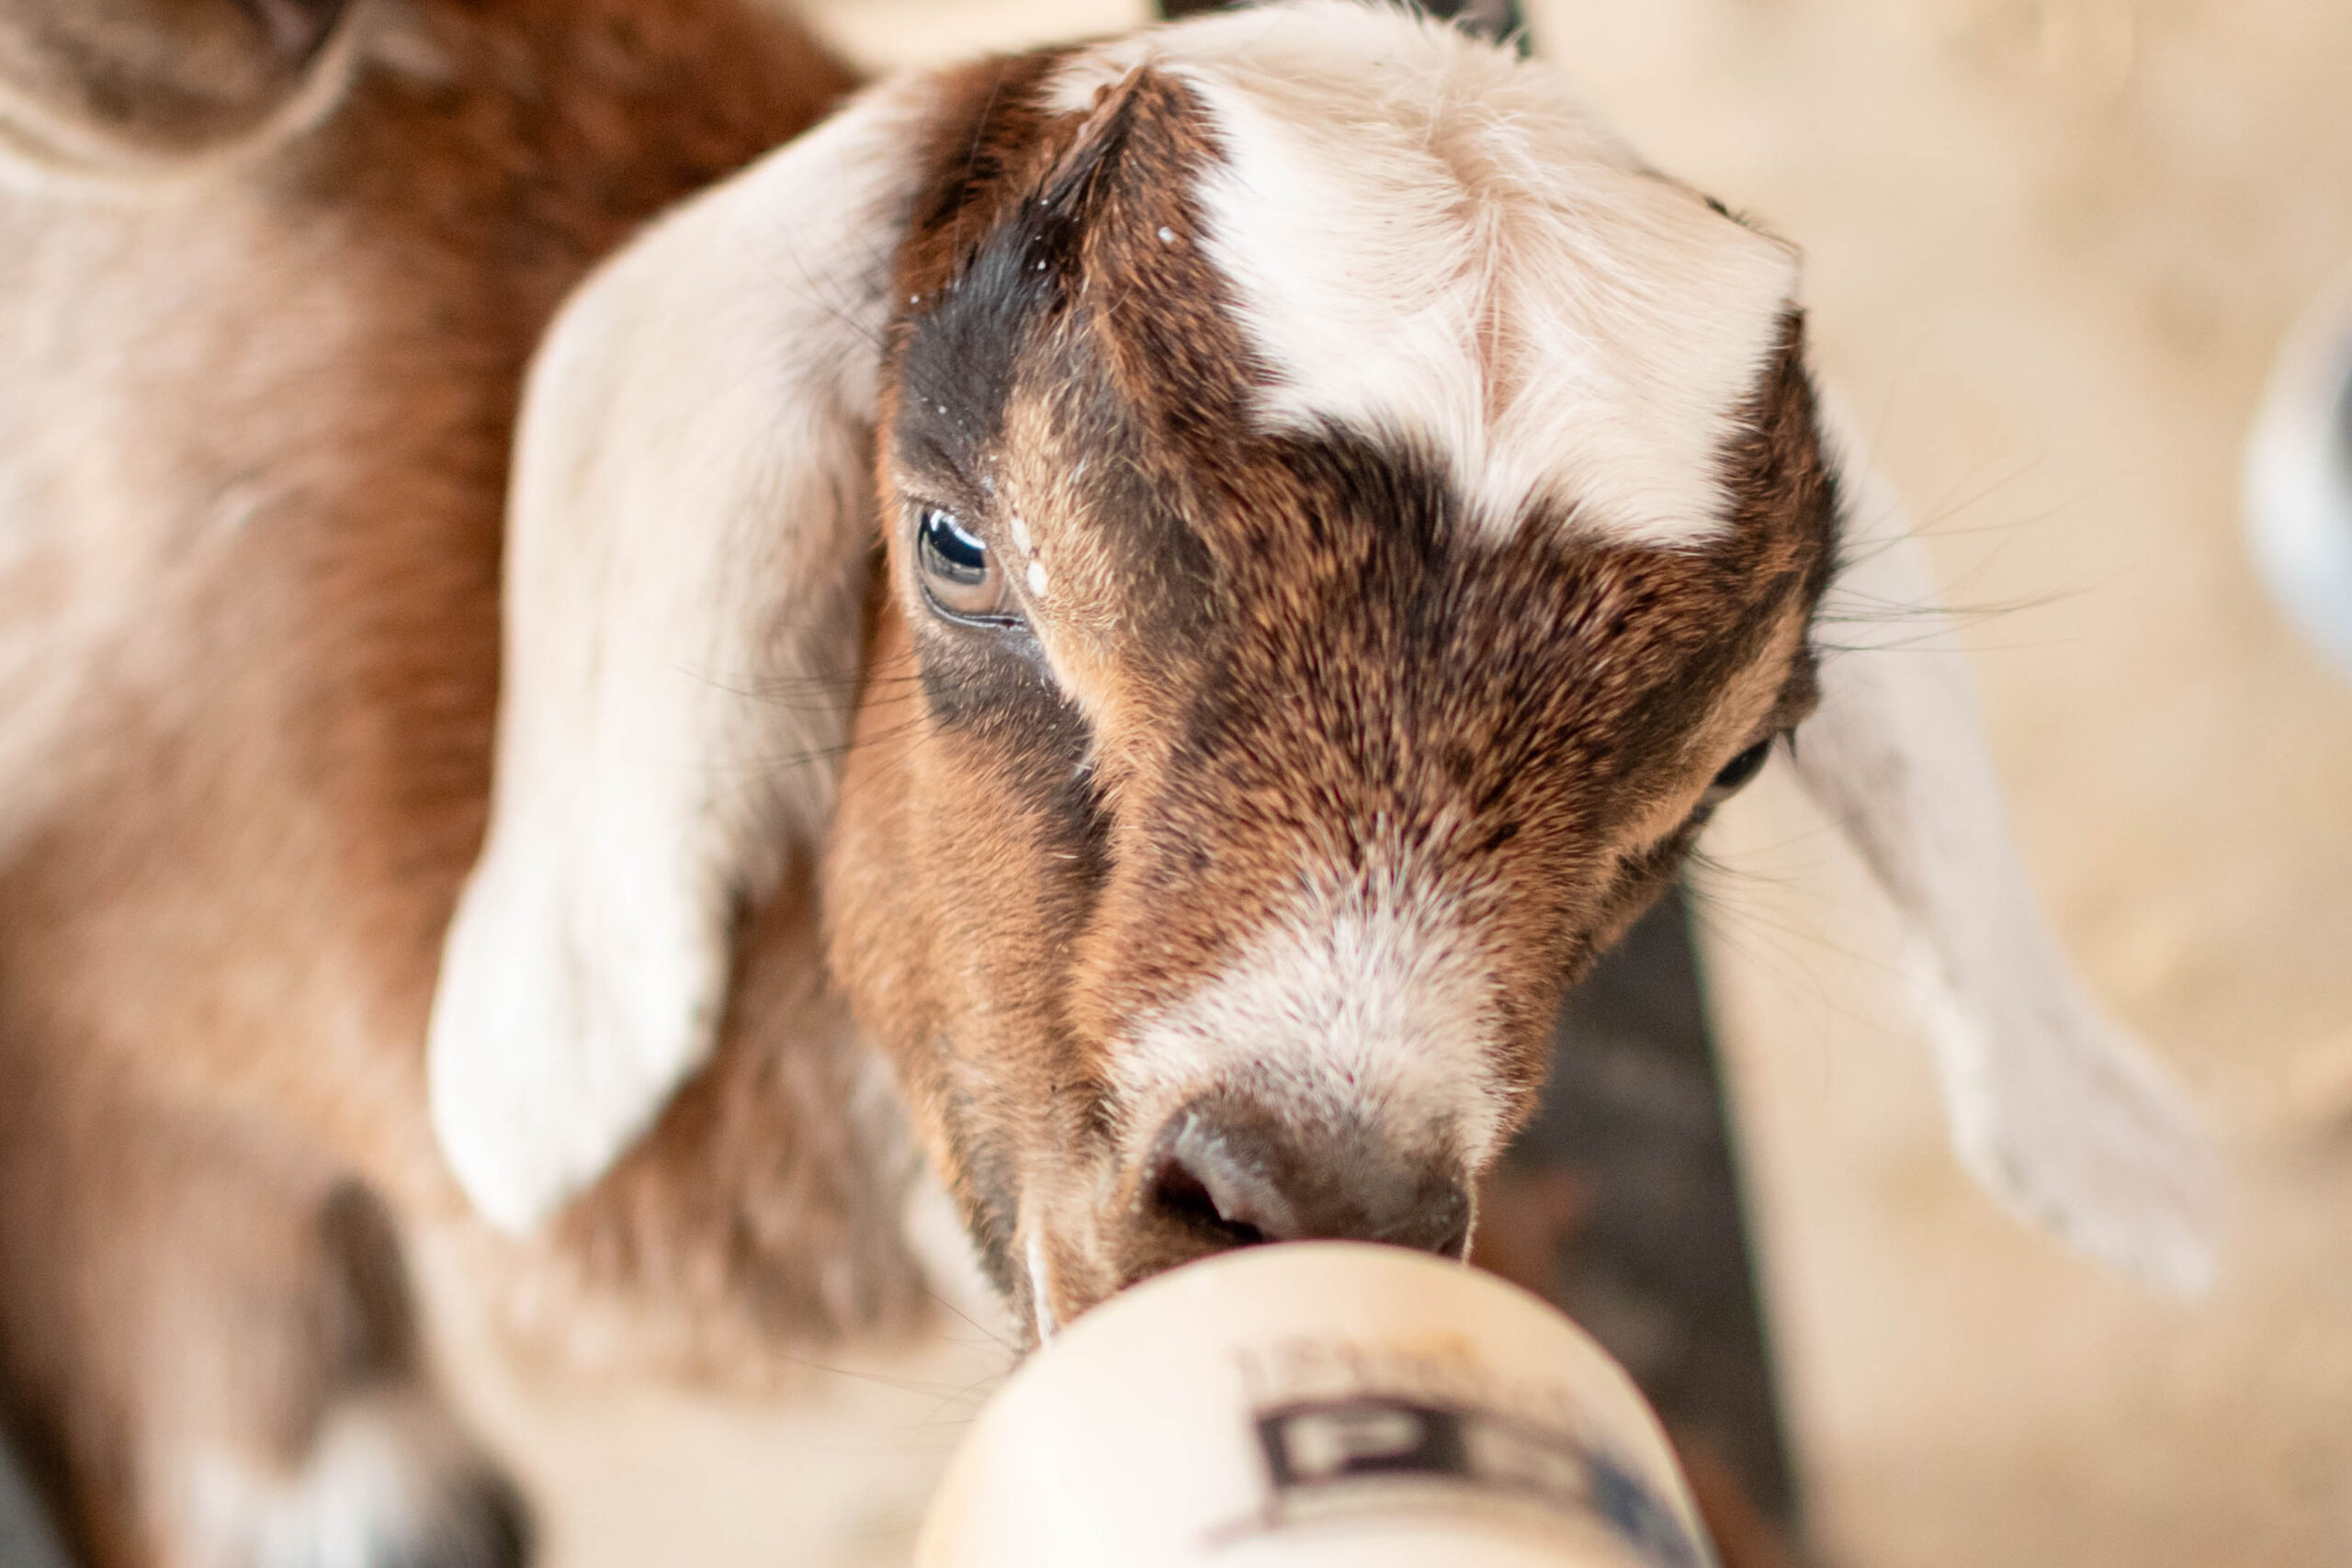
959,575
1736,773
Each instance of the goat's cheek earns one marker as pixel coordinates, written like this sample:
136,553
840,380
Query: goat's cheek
983,927
955,902
872,901
894,889
976,864
1010,919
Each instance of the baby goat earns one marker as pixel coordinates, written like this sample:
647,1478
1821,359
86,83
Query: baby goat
1173,592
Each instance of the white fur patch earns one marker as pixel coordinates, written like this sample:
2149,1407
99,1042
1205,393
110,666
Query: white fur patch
1368,1005
1431,238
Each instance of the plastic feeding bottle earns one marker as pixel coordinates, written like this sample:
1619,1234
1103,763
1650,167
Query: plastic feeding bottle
1314,1405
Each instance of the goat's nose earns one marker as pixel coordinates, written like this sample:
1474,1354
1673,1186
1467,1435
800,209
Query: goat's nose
1234,1175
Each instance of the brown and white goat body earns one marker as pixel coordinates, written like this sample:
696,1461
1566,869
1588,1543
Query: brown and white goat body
1226,564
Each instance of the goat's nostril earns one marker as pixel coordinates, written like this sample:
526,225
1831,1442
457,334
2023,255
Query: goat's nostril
1231,1175
1198,1184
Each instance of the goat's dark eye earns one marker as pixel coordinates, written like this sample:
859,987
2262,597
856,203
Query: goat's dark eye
959,573
1736,773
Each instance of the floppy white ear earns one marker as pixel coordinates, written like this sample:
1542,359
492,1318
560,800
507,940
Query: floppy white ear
2052,1108
686,538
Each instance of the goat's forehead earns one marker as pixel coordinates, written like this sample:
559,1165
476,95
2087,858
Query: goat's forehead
1422,237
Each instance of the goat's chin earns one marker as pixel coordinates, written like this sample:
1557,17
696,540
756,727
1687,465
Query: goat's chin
1061,1266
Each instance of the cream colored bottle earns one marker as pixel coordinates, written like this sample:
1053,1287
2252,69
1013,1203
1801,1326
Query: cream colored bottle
1312,1405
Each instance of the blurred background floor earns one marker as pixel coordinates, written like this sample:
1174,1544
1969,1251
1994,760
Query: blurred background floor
2053,247
2052,244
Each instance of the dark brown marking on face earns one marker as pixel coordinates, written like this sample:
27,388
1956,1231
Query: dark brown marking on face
1037,272
1264,661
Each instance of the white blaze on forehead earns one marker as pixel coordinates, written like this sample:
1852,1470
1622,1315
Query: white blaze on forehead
1428,238
1374,1007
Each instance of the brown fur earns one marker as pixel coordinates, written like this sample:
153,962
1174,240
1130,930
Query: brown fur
250,606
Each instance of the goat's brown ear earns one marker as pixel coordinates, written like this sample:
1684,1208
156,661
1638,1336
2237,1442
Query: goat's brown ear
128,89
687,535
2052,1108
